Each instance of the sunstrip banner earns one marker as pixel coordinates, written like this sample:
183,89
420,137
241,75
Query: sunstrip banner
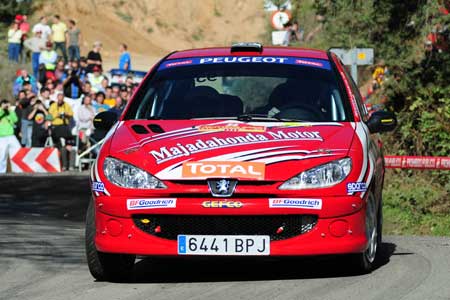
296,61
417,162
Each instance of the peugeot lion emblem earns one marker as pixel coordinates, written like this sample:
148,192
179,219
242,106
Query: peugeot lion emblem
222,187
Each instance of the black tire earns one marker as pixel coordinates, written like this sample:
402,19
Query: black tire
363,263
105,266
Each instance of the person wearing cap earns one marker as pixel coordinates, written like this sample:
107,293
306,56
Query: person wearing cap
59,30
96,78
14,40
23,79
35,44
48,57
8,141
43,28
94,57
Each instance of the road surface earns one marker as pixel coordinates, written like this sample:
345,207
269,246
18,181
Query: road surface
42,257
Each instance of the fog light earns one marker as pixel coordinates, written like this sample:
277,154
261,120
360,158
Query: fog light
338,228
114,227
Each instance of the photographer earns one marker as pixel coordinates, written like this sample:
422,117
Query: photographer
62,115
73,81
8,141
38,116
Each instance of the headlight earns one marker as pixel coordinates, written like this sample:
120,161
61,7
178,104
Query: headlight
128,176
319,177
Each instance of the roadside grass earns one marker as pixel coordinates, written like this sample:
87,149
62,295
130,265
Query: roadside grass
415,204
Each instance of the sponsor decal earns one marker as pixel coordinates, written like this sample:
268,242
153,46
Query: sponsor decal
151,203
353,187
222,204
232,128
98,186
306,203
205,169
308,62
178,150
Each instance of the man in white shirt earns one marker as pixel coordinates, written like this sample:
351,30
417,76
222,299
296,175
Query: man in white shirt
43,28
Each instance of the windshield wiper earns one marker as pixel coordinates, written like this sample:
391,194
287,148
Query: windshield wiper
262,118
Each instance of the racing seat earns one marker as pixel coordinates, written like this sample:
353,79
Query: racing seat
231,106
201,102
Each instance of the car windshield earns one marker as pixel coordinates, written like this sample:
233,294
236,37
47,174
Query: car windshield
182,90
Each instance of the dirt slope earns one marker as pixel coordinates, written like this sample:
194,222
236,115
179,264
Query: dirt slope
152,28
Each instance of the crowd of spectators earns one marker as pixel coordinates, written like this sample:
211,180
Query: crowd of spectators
56,104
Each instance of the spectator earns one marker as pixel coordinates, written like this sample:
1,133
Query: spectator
85,115
124,94
125,58
59,70
83,64
14,40
23,79
59,30
62,114
26,126
43,27
35,44
94,57
73,81
99,104
118,109
8,142
38,115
73,37
45,97
109,99
96,78
87,88
48,57
24,26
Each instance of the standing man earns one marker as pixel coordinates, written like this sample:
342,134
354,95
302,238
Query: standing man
125,58
35,44
43,27
59,36
94,57
73,38
14,40
8,141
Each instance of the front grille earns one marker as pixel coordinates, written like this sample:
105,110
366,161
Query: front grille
278,227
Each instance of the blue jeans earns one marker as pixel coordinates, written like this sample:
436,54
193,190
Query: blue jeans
74,52
62,47
27,132
13,51
35,63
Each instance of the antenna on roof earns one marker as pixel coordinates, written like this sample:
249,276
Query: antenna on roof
247,47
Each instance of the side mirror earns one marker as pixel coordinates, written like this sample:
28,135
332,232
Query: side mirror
105,120
381,121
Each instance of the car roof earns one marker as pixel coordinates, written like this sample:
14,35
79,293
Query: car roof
266,51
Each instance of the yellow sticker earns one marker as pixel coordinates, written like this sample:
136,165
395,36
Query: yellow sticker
361,55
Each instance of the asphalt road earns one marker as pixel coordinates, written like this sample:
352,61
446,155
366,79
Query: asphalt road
42,257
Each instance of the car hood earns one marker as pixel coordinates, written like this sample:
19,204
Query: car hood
199,149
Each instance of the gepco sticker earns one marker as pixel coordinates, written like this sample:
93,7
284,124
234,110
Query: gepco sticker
353,187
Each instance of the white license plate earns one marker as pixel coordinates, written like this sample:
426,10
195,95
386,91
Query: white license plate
223,244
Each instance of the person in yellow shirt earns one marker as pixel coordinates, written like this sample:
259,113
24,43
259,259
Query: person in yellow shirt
62,114
59,30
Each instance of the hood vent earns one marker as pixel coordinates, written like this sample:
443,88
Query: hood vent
139,129
155,128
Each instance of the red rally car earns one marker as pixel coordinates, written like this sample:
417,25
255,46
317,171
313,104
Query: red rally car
238,151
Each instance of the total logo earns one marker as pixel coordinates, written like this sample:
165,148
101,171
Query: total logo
222,204
208,169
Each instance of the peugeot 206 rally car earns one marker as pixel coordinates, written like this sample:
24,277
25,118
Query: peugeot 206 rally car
238,151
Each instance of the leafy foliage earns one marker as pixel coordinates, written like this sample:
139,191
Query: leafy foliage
10,8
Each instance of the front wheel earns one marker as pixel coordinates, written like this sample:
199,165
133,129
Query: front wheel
105,266
364,262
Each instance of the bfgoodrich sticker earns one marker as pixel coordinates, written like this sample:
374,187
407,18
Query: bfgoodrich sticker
295,203
151,203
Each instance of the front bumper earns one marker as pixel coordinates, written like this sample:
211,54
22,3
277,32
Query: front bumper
337,231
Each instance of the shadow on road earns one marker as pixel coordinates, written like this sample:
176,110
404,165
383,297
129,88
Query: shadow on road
54,197
177,270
